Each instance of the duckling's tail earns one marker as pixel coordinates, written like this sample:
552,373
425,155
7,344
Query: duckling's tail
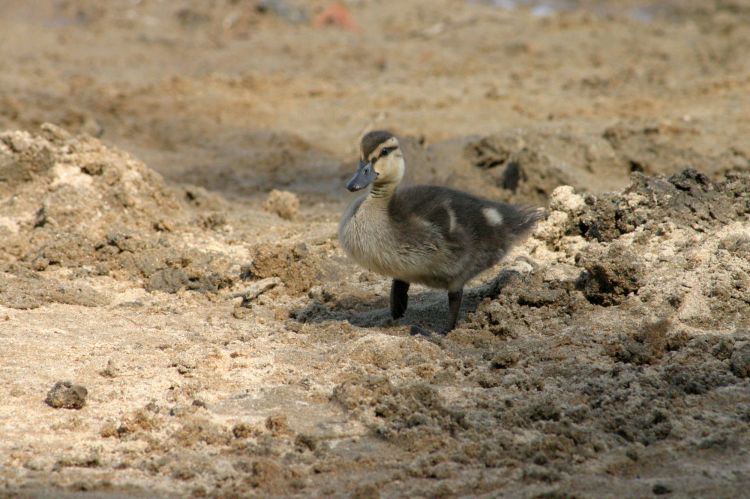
522,221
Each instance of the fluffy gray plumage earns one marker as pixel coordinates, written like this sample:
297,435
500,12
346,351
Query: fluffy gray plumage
431,235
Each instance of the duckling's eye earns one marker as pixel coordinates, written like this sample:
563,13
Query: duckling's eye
385,152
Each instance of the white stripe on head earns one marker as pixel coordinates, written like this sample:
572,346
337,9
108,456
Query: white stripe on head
392,142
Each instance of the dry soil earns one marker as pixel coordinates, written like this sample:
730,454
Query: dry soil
171,179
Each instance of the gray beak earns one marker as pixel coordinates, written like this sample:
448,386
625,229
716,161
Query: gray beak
364,177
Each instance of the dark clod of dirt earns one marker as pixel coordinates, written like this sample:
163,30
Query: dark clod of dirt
278,424
505,359
193,272
168,280
698,379
244,430
740,361
66,395
688,198
610,275
366,491
661,489
644,346
304,441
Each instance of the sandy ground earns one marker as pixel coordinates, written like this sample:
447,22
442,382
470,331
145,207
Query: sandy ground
229,349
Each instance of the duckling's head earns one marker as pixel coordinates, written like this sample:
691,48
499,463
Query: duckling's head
381,161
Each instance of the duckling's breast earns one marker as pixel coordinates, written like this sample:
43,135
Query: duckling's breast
377,243
368,240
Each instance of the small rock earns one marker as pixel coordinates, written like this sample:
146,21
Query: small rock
184,364
66,395
304,441
289,10
244,430
660,489
241,312
300,250
108,430
111,371
564,198
367,277
283,203
278,424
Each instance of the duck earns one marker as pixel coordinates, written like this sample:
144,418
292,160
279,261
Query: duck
431,235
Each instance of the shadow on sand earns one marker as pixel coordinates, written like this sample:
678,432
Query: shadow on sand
427,312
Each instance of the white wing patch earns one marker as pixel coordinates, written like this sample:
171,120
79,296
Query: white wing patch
493,216
451,219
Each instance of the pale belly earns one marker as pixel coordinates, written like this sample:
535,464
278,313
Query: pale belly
373,246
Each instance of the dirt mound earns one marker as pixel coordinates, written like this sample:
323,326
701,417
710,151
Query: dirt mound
23,289
666,147
677,245
528,164
69,202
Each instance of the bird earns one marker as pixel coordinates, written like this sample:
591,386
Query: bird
425,234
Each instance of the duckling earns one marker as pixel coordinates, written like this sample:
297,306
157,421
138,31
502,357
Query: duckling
426,234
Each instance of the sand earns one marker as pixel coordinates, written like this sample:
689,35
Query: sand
171,179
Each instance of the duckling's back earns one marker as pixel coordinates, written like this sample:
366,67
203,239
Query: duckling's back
470,234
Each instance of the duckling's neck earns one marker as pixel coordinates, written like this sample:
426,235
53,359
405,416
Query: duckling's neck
382,191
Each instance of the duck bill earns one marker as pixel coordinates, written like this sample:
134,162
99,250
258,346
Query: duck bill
364,177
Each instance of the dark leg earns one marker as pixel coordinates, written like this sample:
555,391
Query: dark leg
399,298
454,305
